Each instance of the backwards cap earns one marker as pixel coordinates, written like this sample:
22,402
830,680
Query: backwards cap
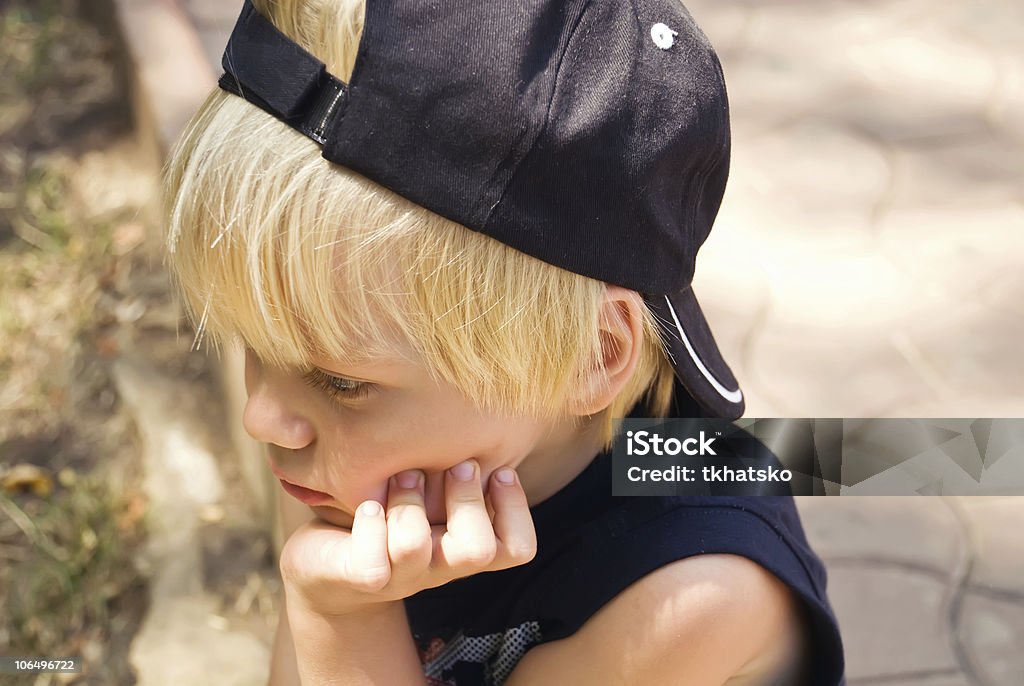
590,134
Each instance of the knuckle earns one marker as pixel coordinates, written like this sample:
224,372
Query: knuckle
407,547
408,534
370,580
523,553
466,497
403,500
478,553
401,518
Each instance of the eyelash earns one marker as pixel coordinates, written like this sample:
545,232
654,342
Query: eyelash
328,384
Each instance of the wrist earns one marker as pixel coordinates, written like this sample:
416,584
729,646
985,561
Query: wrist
371,644
325,605
300,609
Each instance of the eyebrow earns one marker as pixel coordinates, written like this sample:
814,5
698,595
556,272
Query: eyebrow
343,375
376,368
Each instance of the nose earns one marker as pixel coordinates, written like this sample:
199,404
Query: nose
266,418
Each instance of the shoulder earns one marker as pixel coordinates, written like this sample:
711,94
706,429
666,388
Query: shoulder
703,620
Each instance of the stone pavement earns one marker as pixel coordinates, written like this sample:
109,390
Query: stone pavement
866,263
866,259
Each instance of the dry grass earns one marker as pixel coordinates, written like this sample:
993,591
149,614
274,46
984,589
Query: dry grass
71,571
68,584
57,75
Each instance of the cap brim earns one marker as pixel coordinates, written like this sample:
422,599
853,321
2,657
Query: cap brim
694,354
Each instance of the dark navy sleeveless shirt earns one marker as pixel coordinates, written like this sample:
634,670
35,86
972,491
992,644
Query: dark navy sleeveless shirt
590,547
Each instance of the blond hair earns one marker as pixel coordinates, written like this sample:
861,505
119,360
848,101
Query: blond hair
299,257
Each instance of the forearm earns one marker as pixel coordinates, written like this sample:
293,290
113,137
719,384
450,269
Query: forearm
371,648
284,670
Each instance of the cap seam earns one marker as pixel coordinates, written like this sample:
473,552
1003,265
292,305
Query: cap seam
712,160
540,132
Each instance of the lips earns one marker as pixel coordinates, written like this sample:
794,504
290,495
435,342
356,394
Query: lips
306,495
301,493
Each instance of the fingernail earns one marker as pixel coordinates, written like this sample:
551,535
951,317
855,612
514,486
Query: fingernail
505,476
463,471
409,478
370,508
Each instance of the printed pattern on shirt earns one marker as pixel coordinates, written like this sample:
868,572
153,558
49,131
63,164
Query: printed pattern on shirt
476,660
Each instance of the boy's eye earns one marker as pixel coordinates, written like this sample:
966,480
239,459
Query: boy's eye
336,387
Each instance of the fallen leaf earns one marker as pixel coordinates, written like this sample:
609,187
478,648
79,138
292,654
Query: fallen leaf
24,478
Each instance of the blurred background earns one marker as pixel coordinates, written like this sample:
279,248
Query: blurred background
866,263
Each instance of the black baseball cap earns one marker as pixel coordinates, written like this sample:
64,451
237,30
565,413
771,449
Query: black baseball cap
590,134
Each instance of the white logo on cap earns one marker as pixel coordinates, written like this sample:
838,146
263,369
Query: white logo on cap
732,396
663,36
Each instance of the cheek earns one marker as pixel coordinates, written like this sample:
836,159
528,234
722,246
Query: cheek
411,438
363,458
368,451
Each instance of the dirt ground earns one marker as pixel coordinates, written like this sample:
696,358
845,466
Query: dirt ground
82,283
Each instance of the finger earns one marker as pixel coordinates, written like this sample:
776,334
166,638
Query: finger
314,551
513,522
368,568
469,542
409,542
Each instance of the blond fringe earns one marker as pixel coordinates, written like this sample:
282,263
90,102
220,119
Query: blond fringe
297,257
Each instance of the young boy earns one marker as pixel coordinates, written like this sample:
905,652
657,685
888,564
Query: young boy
456,240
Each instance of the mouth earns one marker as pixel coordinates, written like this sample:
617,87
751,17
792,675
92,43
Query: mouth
306,495
301,493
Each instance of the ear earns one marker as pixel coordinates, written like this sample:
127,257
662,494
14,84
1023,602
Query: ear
621,332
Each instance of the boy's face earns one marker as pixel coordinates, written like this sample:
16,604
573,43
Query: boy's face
349,445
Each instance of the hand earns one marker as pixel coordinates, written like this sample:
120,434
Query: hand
392,555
